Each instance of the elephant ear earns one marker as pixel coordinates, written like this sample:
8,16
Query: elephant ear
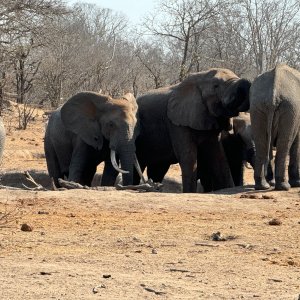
80,115
186,106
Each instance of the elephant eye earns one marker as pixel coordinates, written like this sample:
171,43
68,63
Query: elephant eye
216,85
111,124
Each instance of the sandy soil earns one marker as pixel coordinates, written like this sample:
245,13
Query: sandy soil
129,245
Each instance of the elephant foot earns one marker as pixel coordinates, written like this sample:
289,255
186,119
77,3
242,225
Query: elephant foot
261,184
294,183
271,182
282,185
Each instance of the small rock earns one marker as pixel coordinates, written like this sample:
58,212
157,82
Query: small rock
70,215
26,227
154,251
106,276
43,212
217,236
275,222
101,286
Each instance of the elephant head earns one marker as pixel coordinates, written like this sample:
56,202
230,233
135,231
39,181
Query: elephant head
93,117
202,98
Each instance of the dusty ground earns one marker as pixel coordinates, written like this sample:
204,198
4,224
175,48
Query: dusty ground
129,245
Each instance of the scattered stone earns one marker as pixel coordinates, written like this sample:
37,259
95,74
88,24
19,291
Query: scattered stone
70,215
43,212
101,286
26,227
275,222
154,251
217,236
291,262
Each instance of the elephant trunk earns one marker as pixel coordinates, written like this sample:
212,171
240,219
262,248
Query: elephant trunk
236,97
127,163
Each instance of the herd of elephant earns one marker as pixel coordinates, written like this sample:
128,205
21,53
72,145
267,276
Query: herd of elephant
203,123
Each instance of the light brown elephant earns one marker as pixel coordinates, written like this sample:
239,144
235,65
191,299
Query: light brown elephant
275,119
88,129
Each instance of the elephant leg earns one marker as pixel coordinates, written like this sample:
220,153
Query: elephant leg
235,154
157,172
259,126
189,173
81,158
55,163
285,138
270,169
54,168
109,174
203,171
185,149
294,164
218,164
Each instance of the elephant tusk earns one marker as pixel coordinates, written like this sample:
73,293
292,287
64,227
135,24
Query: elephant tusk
114,162
138,168
246,164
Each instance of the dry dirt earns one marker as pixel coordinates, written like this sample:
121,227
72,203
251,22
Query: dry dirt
129,245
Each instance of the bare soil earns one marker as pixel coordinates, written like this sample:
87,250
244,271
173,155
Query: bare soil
86,244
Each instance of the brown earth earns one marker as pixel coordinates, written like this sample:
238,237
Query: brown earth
129,245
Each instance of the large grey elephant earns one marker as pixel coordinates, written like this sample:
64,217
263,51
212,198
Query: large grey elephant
275,119
88,129
176,121
2,138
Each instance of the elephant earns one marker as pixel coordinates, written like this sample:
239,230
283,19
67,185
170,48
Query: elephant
2,138
88,129
178,120
239,148
275,118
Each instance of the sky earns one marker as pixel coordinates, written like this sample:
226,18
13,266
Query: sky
133,9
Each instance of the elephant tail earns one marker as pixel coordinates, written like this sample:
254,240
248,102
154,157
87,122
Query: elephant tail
269,132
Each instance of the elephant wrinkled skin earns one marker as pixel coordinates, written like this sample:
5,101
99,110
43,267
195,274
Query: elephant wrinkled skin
179,122
84,131
275,119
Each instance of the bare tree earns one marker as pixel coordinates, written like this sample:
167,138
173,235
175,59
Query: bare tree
180,23
272,29
21,24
